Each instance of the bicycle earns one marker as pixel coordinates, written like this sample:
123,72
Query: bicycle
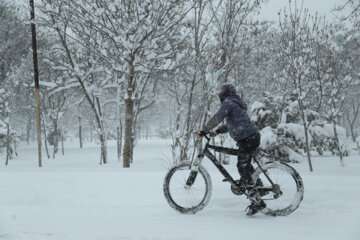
281,199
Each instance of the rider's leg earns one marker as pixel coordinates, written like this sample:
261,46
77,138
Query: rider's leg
247,146
255,207
245,167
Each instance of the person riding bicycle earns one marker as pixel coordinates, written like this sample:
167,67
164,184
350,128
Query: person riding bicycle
234,111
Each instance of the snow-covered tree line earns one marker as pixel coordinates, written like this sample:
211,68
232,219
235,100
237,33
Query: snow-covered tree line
116,69
114,51
12,51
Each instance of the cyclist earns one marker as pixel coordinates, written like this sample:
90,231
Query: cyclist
237,122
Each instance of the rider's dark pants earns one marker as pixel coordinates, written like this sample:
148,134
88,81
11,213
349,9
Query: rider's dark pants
247,146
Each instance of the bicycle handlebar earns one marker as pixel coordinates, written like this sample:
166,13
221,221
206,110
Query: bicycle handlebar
206,136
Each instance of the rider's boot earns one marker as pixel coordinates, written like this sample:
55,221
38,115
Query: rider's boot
257,204
262,192
255,207
250,183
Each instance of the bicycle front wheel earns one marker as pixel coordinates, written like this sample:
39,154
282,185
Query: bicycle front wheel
287,189
187,199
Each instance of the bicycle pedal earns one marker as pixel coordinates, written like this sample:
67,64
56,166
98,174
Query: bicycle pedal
225,180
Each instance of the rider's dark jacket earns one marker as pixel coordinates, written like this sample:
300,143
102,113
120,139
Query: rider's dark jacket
234,111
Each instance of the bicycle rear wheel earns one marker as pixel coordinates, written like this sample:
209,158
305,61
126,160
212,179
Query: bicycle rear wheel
183,198
287,191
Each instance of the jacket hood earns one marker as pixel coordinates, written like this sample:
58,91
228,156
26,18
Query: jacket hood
229,91
237,99
226,90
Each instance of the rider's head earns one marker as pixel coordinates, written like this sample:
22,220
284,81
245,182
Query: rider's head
225,91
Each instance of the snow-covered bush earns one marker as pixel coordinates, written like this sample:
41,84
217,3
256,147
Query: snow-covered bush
3,133
282,132
267,112
7,138
323,138
279,144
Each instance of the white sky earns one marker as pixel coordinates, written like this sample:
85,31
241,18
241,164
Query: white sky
324,7
271,8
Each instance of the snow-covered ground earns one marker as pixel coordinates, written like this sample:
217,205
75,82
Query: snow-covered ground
73,197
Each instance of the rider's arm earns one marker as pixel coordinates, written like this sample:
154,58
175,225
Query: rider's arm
218,117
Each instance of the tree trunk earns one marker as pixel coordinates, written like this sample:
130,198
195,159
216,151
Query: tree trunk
184,150
353,134
338,144
91,133
103,156
121,139
129,117
176,138
45,139
56,141
15,146
128,144
307,144
102,135
80,133
136,131
28,129
62,143
118,143
119,127
8,153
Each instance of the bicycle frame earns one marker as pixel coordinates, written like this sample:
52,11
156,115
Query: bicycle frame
205,152
217,163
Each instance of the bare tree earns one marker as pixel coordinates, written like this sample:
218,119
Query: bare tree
352,116
339,79
297,28
351,9
188,77
232,21
76,47
135,37
55,107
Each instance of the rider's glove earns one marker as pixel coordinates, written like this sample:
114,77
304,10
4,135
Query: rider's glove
202,133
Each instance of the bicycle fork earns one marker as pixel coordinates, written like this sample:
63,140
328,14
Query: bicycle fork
194,170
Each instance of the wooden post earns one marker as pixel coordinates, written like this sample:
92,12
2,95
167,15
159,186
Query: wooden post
118,146
7,142
45,138
80,133
91,132
62,142
28,129
36,80
118,119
